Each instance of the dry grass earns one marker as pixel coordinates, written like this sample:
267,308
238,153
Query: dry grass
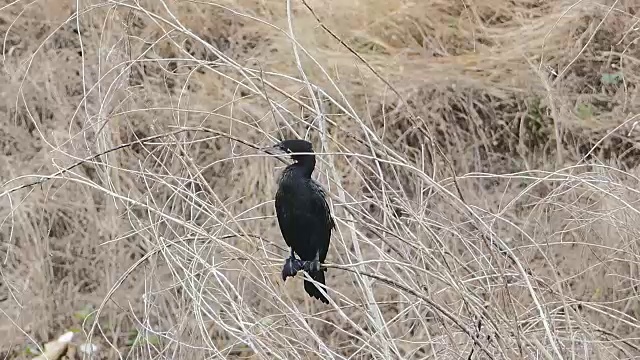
481,156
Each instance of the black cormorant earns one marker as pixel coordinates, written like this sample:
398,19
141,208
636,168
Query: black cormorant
303,215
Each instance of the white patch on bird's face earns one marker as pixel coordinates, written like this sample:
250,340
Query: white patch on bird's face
285,149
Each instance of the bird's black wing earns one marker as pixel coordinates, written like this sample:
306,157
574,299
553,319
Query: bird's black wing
285,212
326,210
322,212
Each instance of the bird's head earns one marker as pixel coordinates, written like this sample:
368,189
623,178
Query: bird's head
293,147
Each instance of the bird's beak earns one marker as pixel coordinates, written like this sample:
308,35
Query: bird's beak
273,150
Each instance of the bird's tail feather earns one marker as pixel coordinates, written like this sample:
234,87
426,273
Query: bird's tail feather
312,289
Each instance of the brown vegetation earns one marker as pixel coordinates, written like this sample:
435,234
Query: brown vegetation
481,157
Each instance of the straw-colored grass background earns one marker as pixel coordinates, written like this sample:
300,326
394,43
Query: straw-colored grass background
482,159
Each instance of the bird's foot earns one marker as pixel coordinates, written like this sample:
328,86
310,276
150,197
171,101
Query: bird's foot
311,266
291,267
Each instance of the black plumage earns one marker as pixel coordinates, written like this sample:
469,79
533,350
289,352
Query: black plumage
303,215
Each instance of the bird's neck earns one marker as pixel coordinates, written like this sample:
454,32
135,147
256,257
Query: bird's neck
304,165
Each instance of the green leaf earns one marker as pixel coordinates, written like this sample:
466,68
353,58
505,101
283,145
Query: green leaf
83,314
585,111
133,338
153,339
611,79
31,350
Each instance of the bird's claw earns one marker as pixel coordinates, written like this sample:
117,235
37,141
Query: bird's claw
291,268
311,266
